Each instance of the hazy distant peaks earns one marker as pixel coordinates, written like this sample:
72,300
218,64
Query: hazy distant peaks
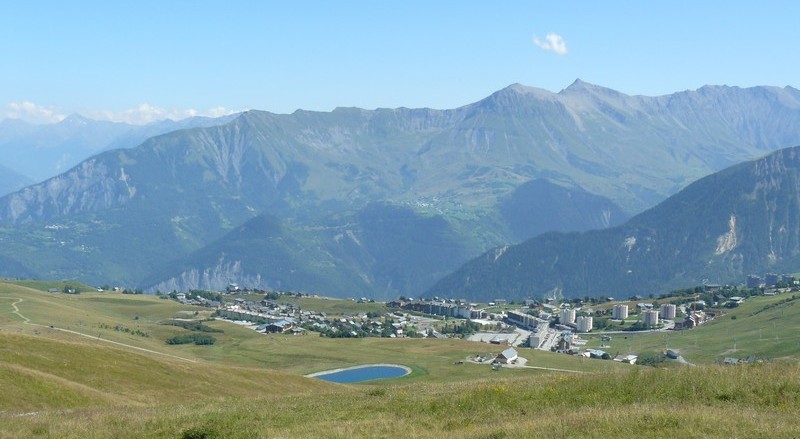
75,119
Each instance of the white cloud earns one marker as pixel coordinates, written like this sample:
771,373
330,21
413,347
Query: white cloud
552,43
140,115
145,113
30,112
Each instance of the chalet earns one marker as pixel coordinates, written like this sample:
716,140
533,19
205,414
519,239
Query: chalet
694,319
279,326
508,356
596,353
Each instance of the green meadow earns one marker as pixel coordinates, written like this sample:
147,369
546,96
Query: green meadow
766,327
97,365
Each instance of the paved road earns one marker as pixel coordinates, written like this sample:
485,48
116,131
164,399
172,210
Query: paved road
27,321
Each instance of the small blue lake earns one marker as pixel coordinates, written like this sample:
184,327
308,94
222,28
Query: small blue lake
363,373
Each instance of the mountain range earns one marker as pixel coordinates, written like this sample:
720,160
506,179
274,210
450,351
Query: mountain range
376,203
40,151
742,220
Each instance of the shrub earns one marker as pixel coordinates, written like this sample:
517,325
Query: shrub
198,433
650,358
378,391
192,326
198,339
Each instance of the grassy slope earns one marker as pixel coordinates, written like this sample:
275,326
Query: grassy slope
81,387
37,373
45,285
753,401
771,333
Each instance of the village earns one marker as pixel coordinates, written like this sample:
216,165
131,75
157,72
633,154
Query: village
552,324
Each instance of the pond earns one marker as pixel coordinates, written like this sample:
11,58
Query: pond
357,374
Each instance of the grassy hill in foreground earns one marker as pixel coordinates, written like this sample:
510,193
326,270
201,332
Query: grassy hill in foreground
751,401
60,384
41,374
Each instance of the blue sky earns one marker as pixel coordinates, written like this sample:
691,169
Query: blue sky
141,60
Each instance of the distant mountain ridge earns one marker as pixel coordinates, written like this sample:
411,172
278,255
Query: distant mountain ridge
39,152
376,252
11,181
742,220
540,206
129,213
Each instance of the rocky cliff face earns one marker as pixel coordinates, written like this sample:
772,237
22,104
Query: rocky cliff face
215,278
91,186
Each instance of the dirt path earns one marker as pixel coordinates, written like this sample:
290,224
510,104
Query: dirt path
27,321
549,368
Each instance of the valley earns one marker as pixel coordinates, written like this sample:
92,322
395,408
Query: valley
482,220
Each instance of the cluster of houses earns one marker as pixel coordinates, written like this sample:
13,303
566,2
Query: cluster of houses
196,300
272,317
